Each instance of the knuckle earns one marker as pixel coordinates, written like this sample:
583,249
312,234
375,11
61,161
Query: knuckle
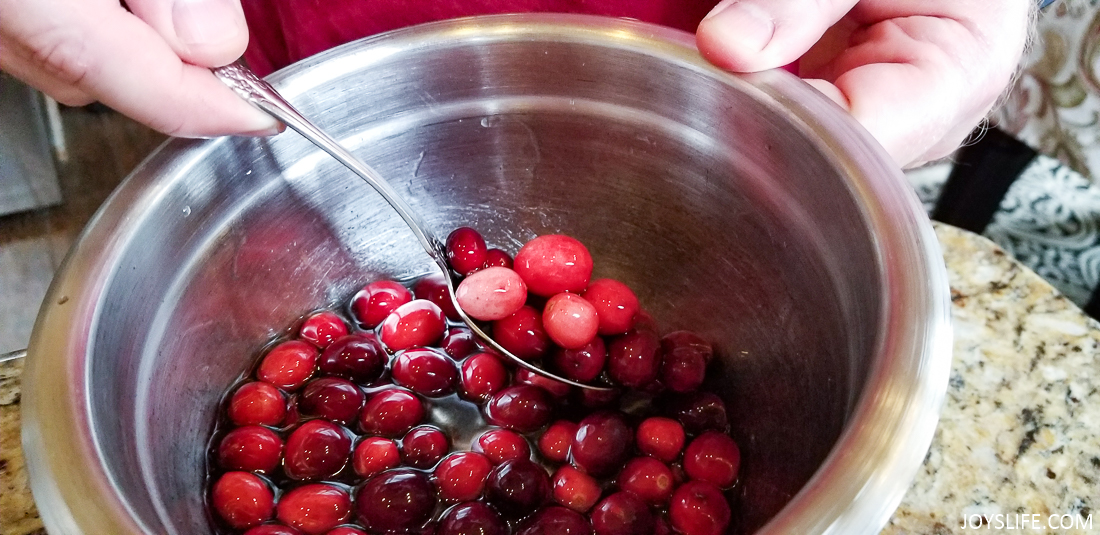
62,55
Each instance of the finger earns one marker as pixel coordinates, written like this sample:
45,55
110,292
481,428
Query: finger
208,33
13,61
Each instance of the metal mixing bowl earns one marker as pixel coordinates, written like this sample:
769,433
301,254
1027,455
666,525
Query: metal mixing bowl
747,208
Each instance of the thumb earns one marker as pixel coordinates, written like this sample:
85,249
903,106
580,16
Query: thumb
754,35
207,33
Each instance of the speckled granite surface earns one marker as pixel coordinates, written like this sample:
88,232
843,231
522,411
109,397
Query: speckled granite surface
1019,434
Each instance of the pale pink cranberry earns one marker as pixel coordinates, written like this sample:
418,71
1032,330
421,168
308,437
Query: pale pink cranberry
633,359
242,499
257,403
396,501
522,334
554,520
472,518
425,371
359,357
699,508
701,411
416,323
459,343
575,489
377,300
713,457
501,445
465,250
522,408
461,476
622,513
517,487
661,438
314,509
331,398
554,263
497,257
482,376
615,304
434,288
602,443
423,446
391,412
251,449
321,328
555,388
316,450
555,441
583,364
491,294
648,478
288,365
273,529
570,321
375,454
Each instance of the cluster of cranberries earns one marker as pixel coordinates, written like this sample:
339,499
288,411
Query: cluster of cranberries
341,430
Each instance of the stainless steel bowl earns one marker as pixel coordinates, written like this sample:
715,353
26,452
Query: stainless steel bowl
748,208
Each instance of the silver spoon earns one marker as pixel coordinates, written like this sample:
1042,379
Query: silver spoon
260,94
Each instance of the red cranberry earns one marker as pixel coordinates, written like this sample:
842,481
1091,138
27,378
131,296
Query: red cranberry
416,323
598,399
555,441
465,250
314,509
257,403
713,457
423,446
661,438
554,520
522,334
358,357
316,450
345,530
517,487
273,529
472,518
497,257
699,508
242,499
377,300
662,527
501,445
434,288
425,371
647,478
461,476
491,294
375,454
622,513
677,341
554,263
615,304
459,343
602,443
644,321
633,359
684,358
482,376
575,489
321,328
701,411
288,365
331,398
251,448
555,388
521,408
391,412
583,364
570,321
395,501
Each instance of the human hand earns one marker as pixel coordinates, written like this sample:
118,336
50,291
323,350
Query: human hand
918,74
151,64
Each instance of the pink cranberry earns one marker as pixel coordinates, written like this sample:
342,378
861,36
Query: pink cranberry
615,304
314,509
633,359
648,478
501,445
555,441
416,323
257,403
321,328
603,442
554,520
554,263
622,513
555,388
699,508
461,476
465,250
377,300
434,288
288,365
375,454
522,334
395,501
491,294
570,321
391,412
583,364
425,371
423,447
358,357
251,449
331,398
497,257
316,450
482,376
521,408
713,457
517,487
701,411
459,343
575,489
472,518
661,438
242,499
273,529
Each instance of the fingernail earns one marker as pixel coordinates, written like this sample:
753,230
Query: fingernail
277,128
205,22
744,22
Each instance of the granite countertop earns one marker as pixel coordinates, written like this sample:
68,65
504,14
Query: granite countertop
1019,434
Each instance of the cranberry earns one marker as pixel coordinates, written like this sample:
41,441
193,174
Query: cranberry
633,359
684,358
554,263
459,343
622,513
522,408
482,376
497,257
316,450
501,445
677,341
598,399
423,446
465,250
699,508
615,304
491,294
273,529
701,411
555,441
358,357
555,388
648,478
377,300
375,454
517,487
661,438
461,476
425,371
644,321
314,509
251,448
331,398
472,518
288,365
434,288
416,323
395,501
522,334
242,499
257,403
570,321
602,443
391,412
321,328
345,530
554,520
575,489
713,457
582,364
